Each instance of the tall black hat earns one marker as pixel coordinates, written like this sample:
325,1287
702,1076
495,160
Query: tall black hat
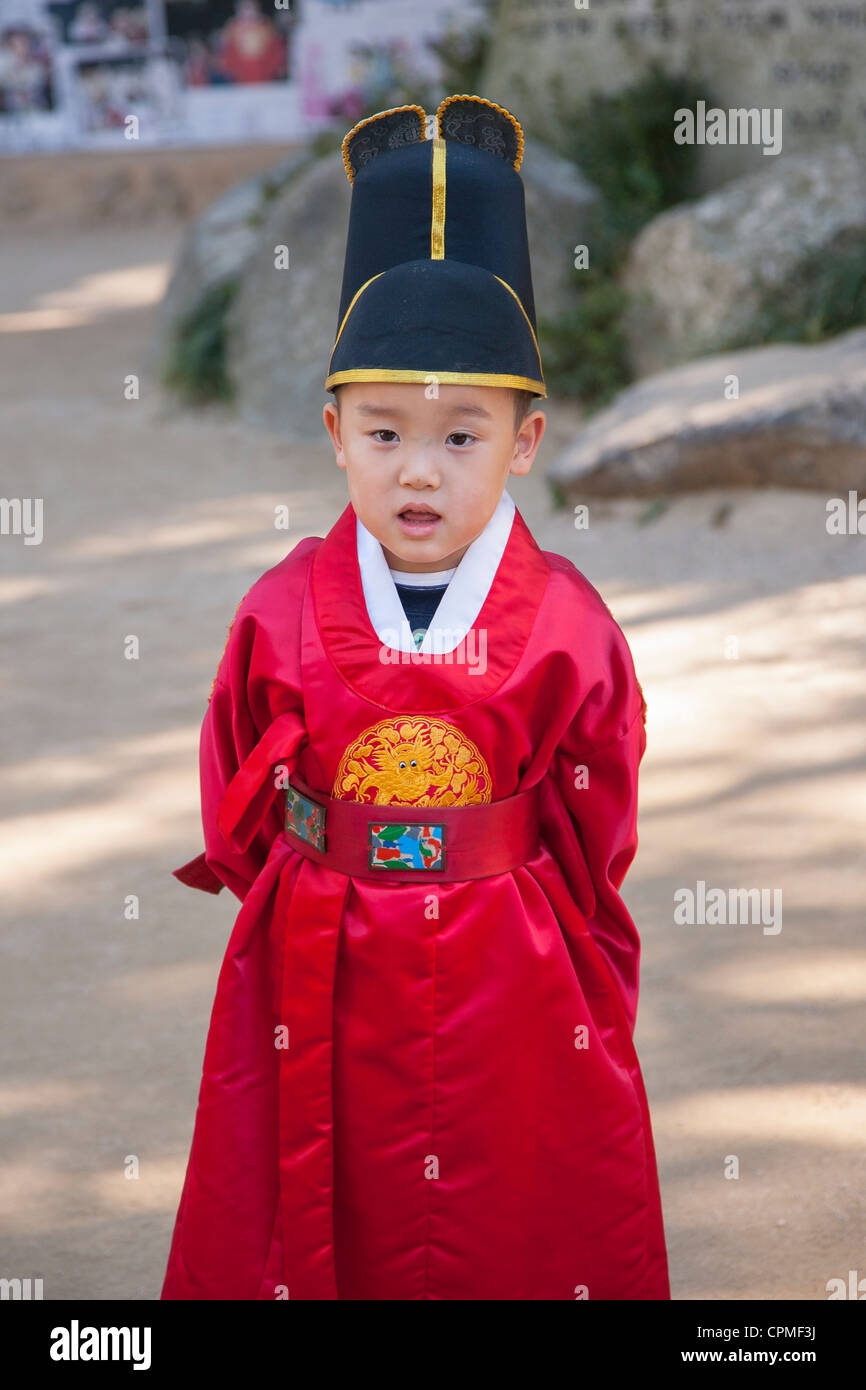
437,279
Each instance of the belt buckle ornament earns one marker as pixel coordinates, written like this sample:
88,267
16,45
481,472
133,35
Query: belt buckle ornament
418,845
305,818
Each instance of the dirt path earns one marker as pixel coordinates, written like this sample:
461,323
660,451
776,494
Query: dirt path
155,524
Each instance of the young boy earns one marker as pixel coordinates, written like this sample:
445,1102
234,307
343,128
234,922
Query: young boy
419,770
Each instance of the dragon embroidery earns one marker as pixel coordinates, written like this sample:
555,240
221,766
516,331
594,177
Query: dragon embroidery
413,762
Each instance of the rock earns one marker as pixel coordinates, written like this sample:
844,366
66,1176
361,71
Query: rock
799,421
218,243
559,208
282,326
701,272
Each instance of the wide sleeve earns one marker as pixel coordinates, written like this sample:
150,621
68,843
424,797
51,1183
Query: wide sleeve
598,784
245,748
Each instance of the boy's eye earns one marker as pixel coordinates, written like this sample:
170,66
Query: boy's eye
460,437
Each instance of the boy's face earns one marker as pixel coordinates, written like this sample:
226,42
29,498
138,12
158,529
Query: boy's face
426,475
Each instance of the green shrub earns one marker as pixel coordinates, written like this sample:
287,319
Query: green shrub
821,297
623,144
196,361
327,140
584,348
463,52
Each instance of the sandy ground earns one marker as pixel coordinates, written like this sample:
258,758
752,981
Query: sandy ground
747,625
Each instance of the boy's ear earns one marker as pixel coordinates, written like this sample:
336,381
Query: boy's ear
527,440
331,421
387,130
472,120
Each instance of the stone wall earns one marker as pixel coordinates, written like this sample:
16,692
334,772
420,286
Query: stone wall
805,57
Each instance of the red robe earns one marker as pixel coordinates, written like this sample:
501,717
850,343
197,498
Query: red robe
459,1112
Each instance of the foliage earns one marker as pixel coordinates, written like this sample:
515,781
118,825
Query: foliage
463,51
820,298
623,144
584,348
327,140
196,362
275,183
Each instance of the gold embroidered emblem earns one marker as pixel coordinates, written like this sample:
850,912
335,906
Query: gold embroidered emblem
413,761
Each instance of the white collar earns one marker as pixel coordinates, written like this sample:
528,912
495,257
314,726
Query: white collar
460,604
424,579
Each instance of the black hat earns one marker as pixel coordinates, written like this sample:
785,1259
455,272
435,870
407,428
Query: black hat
437,280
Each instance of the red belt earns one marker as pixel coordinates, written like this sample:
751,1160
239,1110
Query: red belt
402,843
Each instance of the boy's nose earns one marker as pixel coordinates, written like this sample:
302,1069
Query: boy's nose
420,468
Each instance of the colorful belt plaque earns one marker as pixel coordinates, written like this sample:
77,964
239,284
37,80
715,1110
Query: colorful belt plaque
412,845
305,818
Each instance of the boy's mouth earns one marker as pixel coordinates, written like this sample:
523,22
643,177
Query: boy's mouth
418,520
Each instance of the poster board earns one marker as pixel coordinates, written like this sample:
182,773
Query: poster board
96,73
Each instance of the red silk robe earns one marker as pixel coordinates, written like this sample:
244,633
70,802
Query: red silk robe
459,1112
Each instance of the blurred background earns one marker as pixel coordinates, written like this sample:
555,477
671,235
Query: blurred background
701,293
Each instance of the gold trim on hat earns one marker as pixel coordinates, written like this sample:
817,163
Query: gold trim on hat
485,101
344,147
349,310
519,383
495,378
437,217
523,312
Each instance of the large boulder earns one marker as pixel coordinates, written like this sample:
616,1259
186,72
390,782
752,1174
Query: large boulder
701,273
799,421
559,214
218,243
282,324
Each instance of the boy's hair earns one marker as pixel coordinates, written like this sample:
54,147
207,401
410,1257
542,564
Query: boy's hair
522,403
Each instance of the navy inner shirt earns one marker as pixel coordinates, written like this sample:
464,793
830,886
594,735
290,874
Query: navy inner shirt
420,602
